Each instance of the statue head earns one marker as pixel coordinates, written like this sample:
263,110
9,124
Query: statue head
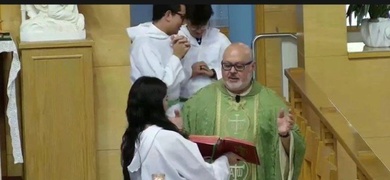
170,17
237,67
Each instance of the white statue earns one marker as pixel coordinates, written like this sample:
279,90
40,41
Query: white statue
376,33
51,22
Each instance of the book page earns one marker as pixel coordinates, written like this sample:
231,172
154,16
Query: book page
212,140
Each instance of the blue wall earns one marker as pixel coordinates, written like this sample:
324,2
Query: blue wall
241,23
241,20
140,13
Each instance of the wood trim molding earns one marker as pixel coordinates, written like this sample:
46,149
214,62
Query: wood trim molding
1,20
224,30
260,52
353,28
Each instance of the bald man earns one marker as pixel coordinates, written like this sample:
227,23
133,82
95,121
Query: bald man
237,106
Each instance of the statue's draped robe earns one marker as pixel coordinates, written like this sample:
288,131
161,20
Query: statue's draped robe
214,111
53,18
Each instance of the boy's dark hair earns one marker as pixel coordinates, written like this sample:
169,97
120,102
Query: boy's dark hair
199,15
160,10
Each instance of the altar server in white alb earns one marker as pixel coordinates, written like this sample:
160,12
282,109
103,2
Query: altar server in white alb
152,144
202,63
157,50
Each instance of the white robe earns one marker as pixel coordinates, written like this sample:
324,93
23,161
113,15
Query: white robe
210,51
167,152
151,54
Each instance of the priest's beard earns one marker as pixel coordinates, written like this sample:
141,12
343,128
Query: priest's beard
240,85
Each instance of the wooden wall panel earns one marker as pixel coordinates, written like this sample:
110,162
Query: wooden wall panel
11,19
330,40
58,123
106,25
322,44
273,19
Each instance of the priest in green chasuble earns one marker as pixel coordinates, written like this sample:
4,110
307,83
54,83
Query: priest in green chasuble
237,106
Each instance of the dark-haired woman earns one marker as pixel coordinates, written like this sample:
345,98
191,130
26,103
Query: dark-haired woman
152,144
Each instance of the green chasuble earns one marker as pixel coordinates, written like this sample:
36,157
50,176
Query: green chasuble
213,111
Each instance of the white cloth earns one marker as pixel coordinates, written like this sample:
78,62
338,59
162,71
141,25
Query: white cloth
167,152
151,54
210,51
12,110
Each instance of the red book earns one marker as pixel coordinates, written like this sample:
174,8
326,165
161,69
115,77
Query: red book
214,147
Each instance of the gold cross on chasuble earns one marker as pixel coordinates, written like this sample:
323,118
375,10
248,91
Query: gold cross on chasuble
238,120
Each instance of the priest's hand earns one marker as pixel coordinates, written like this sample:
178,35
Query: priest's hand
208,72
285,122
204,70
197,68
233,158
177,120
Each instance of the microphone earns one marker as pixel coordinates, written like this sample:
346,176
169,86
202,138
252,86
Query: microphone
238,98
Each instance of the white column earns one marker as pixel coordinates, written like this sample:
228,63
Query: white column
289,56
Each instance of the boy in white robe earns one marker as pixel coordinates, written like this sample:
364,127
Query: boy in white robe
202,63
156,52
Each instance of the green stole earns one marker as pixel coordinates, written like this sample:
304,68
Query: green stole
236,119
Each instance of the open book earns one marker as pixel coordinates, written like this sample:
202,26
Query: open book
214,147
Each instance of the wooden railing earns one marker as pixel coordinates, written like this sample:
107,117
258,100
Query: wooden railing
331,141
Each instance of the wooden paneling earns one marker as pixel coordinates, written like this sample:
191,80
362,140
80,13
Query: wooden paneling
111,90
260,45
324,35
1,20
225,30
11,20
106,25
109,165
280,21
323,50
279,8
272,19
337,114
273,63
58,111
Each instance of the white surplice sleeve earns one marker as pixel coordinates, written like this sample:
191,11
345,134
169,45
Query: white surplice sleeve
185,157
145,61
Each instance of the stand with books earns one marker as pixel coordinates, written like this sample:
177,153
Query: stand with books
213,147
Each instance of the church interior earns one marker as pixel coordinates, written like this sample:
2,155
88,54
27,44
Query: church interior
64,101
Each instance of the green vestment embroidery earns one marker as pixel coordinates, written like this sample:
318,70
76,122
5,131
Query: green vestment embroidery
212,111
